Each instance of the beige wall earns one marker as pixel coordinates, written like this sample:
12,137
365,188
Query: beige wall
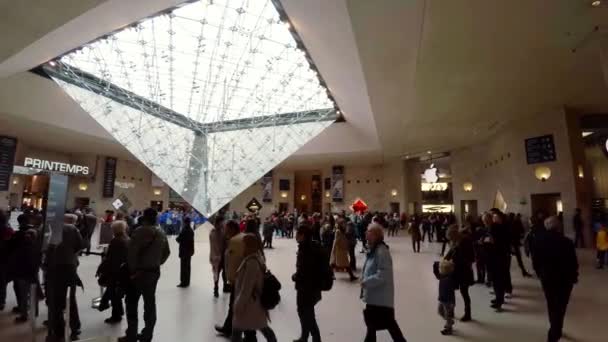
126,171
500,164
377,193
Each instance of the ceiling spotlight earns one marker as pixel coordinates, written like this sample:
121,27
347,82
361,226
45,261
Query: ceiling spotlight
596,3
429,152
52,63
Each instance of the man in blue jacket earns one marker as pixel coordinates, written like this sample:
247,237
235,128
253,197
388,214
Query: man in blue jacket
378,287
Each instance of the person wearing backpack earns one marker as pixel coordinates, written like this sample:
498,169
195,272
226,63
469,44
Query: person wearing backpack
308,288
249,311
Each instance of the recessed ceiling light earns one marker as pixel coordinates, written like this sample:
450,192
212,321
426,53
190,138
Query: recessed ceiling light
429,152
586,134
596,3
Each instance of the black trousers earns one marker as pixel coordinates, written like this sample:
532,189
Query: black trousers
466,298
59,281
381,318
416,245
3,284
481,266
501,278
425,233
250,335
520,262
308,321
601,259
557,296
578,238
184,270
509,282
222,270
143,286
352,257
114,296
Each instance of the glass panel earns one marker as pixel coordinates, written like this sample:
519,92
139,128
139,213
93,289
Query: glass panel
210,96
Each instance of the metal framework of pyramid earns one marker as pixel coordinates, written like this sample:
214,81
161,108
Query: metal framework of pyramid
210,95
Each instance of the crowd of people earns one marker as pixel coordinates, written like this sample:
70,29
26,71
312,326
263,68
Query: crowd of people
477,251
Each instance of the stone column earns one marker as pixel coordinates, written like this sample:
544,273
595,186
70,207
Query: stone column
412,194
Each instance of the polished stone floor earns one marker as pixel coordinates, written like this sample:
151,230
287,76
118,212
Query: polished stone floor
188,315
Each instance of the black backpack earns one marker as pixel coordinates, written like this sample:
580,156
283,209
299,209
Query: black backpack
270,291
326,277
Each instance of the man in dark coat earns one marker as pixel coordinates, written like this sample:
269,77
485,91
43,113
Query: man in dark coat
499,258
555,262
186,251
306,278
61,270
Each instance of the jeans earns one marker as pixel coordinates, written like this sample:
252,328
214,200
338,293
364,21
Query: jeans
184,270
144,285
446,310
237,335
308,321
557,296
373,315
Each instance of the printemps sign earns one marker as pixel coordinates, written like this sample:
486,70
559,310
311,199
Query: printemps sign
48,165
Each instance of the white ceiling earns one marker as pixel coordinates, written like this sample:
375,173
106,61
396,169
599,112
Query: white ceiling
410,76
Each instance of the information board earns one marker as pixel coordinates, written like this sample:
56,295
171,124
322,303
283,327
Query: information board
7,159
109,177
540,149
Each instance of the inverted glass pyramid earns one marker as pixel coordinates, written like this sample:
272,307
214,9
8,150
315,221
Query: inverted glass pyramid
210,96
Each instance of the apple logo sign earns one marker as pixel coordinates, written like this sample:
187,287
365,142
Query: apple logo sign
430,174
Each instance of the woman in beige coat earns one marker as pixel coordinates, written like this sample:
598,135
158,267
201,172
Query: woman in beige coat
339,254
248,312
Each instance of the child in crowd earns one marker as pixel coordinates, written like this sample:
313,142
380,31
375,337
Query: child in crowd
444,271
601,243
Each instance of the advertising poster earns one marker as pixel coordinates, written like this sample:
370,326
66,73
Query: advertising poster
337,184
267,187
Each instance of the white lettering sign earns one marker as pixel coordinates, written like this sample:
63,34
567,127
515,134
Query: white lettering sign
55,166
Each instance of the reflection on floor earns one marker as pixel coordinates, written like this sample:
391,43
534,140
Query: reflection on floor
188,315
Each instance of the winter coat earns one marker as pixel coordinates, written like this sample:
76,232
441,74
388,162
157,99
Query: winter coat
377,285
308,268
339,252
248,313
463,256
186,242
234,256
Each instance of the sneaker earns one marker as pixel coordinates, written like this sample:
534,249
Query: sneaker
353,278
216,292
15,310
447,332
509,295
226,289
